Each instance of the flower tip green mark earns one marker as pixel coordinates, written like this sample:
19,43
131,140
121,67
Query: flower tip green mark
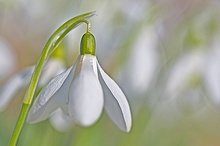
88,44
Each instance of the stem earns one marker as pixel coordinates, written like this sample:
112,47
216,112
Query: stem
50,46
19,124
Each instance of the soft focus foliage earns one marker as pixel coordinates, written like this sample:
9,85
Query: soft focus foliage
165,55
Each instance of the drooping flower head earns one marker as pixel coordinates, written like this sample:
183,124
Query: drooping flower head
82,91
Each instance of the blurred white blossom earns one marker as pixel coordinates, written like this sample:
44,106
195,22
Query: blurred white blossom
142,63
212,74
185,81
7,59
21,80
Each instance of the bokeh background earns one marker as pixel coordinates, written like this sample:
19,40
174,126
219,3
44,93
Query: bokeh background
165,55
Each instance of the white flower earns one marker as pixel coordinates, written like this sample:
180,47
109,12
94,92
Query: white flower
7,58
16,83
185,83
79,93
212,75
19,81
137,75
187,67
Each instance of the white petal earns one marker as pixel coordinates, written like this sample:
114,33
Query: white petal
10,89
116,103
86,95
60,121
51,97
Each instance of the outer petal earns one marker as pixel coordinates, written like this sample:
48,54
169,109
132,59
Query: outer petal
9,90
53,95
116,103
86,95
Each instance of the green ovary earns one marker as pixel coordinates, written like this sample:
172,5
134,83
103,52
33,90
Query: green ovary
88,44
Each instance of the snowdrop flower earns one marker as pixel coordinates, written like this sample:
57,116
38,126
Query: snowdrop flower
7,58
13,85
187,66
53,67
185,82
138,75
82,91
212,75
19,81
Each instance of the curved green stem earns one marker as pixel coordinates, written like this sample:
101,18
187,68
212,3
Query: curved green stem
50,46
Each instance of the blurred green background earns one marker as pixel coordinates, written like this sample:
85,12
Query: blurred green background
164,54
